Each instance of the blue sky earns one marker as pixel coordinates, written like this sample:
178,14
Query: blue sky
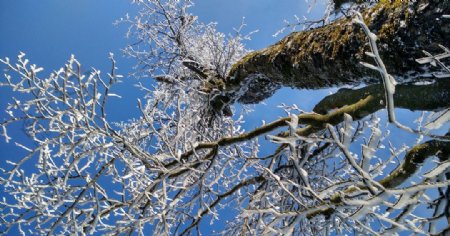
49,31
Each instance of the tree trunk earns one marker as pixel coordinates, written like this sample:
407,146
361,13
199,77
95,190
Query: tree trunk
330,55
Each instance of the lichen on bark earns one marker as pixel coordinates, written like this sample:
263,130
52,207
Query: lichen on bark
330,55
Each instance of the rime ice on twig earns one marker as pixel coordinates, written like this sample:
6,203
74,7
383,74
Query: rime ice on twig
171,168
436,60
388,81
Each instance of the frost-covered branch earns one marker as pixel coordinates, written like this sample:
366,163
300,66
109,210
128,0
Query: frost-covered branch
436,60
388,81
185,160
170,37
334,9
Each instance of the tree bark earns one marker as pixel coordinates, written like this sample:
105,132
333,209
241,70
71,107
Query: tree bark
425,97
330,55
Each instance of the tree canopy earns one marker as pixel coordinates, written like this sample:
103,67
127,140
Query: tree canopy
187,159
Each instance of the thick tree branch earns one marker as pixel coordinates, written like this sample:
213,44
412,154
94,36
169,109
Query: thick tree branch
330,55
413,160
364,102
409,96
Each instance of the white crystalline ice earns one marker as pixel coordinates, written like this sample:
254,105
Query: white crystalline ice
441,120
438,170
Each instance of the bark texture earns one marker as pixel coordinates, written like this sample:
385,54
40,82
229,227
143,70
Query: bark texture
425,97
330,55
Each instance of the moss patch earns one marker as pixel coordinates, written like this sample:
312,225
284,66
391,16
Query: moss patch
330,55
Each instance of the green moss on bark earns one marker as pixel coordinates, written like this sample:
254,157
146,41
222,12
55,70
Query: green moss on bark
330,55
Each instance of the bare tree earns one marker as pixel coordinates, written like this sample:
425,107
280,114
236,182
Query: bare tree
186,159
